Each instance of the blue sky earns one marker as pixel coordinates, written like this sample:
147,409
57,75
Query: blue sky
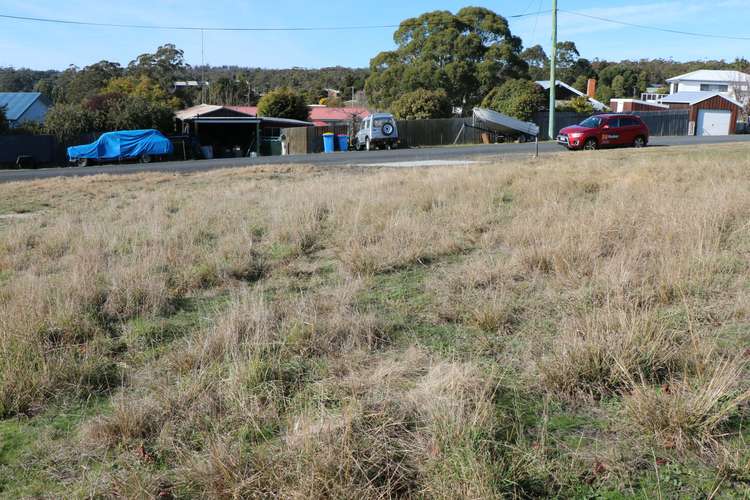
43,46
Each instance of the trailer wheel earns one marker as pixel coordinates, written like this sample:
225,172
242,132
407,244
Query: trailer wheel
145,159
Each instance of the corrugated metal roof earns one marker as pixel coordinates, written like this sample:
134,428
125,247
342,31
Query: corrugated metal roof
337,114
692,98
712,75
16,103
195,111
317,113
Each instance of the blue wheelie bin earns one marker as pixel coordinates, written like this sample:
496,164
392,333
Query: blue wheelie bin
343,142
328,142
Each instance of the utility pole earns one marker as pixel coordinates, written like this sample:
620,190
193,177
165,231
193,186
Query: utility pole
203,67
552,76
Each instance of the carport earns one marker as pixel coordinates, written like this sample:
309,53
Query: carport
711,113
222,132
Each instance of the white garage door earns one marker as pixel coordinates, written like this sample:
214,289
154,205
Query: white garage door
713,121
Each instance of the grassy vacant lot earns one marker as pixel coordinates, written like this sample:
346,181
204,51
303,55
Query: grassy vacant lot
576,326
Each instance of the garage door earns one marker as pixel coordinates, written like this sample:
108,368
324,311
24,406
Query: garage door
713,121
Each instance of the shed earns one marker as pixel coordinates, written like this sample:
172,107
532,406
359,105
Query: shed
711,113
630,105
24,107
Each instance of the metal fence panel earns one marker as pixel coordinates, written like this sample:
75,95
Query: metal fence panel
665,123
660,123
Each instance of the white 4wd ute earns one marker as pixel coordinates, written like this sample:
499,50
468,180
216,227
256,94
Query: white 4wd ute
377,130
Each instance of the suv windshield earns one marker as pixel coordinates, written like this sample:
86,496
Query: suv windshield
379,122
591,122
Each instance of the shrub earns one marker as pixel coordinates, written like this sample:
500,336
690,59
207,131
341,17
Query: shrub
517,98
578,104
69,121
283,103
422,104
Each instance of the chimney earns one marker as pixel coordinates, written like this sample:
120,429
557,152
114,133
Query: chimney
591,88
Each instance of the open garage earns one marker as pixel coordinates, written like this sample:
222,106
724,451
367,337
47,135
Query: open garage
710,113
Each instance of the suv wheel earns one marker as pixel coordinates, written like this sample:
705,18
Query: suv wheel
640,142
590,145
145,159
82,162
368,145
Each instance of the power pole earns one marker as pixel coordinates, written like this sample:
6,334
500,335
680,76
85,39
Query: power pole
203,67
552,76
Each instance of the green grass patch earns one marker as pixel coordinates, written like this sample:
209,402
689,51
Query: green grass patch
27,448
148,337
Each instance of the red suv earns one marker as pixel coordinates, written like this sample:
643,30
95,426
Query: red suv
602,131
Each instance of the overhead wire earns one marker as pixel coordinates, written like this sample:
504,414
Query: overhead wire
654,28
351,28
217,28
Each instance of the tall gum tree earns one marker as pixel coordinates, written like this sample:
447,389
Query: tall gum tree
466,54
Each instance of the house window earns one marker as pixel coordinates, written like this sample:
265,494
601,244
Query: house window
714,87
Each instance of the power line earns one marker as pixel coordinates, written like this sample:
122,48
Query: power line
217,28
528,14
350,28
655,28
536,19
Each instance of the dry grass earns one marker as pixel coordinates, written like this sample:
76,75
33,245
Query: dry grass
685,412
605,351
523,329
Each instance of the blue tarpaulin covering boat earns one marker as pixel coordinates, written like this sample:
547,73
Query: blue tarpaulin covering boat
126,144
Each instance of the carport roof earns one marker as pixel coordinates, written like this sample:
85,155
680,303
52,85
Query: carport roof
196,111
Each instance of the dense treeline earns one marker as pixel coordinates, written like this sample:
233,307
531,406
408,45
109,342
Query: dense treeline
238,86
232,85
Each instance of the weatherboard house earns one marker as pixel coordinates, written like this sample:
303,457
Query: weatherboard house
733,84
24,107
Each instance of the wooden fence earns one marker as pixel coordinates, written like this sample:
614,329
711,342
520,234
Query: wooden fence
412,133
417,133
308,140
440,132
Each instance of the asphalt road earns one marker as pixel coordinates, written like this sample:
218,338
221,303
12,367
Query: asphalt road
380,158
